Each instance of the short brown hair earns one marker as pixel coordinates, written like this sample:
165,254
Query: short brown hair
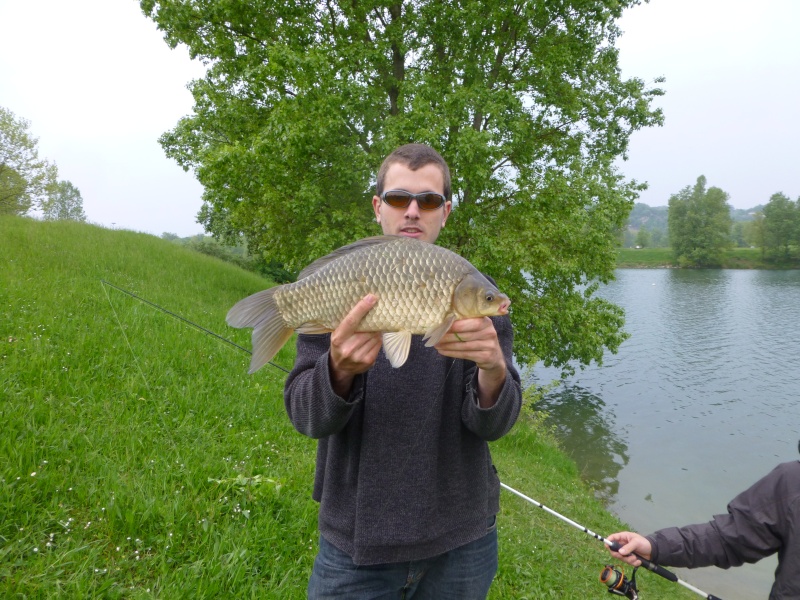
414,156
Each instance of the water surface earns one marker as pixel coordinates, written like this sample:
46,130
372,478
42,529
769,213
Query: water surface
698,404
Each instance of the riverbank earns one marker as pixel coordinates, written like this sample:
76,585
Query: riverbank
139,460
662,258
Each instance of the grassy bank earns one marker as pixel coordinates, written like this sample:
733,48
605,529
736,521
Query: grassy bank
736,258
139,460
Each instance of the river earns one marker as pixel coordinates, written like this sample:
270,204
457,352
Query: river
698,404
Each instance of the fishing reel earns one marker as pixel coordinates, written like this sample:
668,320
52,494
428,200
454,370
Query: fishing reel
618,584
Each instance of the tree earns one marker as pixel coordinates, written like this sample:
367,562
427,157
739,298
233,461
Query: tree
699,225
64,202
24,177
643,237
525,100
781,222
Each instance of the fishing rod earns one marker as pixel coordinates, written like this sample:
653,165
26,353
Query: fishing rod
607,576
187,321
617,583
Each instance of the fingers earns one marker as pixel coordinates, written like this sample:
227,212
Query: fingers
473,339
631,544
350,323
470,331
354,352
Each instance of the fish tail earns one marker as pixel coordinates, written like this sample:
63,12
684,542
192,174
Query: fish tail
270,332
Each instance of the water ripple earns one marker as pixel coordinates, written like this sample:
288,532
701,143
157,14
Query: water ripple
702,397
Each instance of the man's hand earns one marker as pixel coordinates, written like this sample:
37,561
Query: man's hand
631,542
352,352
476,340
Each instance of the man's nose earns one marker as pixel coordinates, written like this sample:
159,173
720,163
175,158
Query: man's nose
412,210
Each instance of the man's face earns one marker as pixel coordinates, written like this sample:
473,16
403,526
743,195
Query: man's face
424,225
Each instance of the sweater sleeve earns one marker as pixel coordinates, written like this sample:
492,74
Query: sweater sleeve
753,528
493,423
313,407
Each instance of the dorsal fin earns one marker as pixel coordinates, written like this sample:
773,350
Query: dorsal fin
339,252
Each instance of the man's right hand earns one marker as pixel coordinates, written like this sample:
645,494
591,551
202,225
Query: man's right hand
631,542
352,352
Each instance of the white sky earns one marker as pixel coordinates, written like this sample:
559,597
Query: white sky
99,86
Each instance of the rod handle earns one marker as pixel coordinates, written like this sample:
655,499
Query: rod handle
650,566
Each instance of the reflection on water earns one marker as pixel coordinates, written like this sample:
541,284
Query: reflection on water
698,404
586,428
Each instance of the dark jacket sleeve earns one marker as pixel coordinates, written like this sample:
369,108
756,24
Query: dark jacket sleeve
493,423
313,407
758,522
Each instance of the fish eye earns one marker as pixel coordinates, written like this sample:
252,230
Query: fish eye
490,297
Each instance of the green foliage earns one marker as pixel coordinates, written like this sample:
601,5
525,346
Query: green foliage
526,102
236,255
781,225
652,218
63,202
699,225
24,177
139,460
643,238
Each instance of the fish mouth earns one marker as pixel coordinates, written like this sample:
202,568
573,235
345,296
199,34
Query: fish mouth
503,308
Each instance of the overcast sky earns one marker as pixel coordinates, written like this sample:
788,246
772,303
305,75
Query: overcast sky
99,86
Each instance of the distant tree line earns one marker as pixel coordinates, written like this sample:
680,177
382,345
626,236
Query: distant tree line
699,225
28,183
237,255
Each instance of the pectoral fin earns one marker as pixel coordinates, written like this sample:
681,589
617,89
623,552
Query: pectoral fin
396,345
434,334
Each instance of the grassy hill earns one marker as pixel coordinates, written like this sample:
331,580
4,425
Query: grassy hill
139,460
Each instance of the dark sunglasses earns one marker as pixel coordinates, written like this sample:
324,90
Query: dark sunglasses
402,198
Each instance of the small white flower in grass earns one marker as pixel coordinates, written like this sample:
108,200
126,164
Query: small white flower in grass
33,474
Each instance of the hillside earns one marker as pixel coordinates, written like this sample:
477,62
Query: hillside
655,220
139,460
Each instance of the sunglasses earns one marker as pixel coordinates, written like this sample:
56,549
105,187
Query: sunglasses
402,198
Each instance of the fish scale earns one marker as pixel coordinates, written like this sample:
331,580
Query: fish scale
421,288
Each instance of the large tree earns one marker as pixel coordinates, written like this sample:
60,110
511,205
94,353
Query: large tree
24,177
781,224
525,100
699,225
64,202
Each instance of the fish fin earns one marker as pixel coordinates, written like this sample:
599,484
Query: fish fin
312,328
270,332
344,250
434,334
396,345
251,311
269,336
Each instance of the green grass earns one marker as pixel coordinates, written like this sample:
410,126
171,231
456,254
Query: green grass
652,258
139,460
735,258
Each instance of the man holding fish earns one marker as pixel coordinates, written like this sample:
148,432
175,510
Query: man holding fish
407,490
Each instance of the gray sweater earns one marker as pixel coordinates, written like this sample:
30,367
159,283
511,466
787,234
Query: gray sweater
762,520
403,467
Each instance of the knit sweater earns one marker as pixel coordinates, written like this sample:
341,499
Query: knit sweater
403,468
762,520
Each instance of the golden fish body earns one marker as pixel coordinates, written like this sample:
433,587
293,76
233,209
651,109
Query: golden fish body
421,289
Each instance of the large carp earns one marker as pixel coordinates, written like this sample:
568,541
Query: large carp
421,289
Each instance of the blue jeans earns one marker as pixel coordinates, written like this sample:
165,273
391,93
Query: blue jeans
464,573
